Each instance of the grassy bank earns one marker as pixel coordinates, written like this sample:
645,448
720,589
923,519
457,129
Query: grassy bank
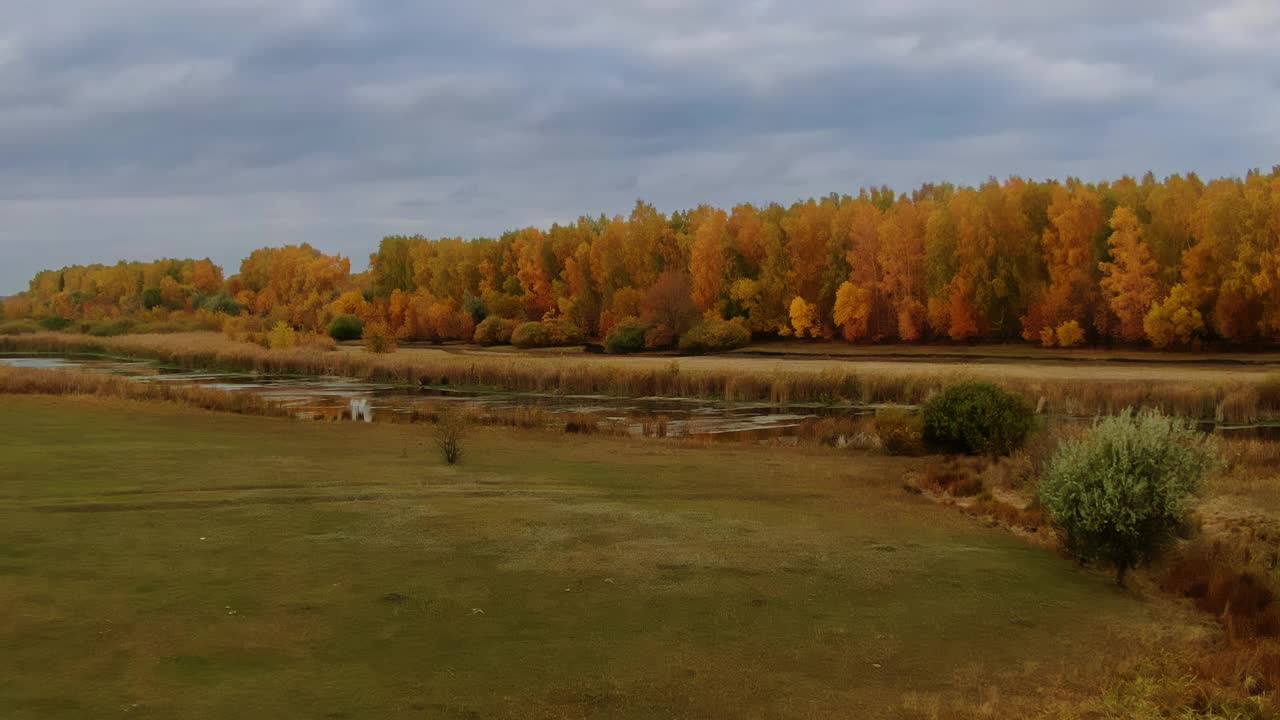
1205,393
162,562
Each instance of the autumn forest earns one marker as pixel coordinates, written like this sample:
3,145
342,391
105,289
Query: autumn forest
1168,263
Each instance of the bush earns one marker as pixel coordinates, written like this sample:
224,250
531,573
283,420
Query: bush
627,336
563,332
1118,492
111,328
714,336
54,322
282,337
378,338
530,335
221,303
346,327
900,431
451,428
548,333
494,331
18,327
978,419
659,337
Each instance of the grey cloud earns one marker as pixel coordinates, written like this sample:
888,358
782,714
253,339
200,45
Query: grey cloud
134,128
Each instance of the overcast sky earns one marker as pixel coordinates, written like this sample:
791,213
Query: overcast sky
144,128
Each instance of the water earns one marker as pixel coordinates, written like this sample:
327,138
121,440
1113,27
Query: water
338,398
334,398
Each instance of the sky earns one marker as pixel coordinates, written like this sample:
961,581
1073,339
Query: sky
137,129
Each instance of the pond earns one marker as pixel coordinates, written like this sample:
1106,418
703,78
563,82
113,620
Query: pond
335,398
345,398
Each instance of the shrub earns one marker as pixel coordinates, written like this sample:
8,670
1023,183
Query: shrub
18,327
563,332
659,337
221,303
54,322
900,431
977,418
627,336
957,477
111,328
378,338
346,327
530,335
1070,334
548,333
451,427
1118,492
714,336
494,331
282,337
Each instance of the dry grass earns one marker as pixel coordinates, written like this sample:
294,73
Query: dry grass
1228,395
34,381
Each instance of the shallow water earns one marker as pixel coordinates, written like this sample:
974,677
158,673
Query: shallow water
337,398
334,398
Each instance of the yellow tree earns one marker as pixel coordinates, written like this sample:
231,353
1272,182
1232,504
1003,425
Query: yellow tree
707,261
804,318
1129,283
1075,220
902,264
1175,320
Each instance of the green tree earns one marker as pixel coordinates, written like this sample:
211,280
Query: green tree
1119,492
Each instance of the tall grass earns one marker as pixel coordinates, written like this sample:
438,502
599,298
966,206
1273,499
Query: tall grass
39,381
1236,401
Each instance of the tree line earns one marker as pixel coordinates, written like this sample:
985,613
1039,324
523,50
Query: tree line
1172,262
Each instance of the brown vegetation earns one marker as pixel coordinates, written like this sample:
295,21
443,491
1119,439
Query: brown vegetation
1233,400
33,381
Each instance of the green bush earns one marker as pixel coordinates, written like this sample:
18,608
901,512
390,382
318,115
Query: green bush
714,336
900,430
978,419
494,331
54,322
627,336
346,327
530,335
548,333
221,303
1118,493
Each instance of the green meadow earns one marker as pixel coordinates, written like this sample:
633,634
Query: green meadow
164,562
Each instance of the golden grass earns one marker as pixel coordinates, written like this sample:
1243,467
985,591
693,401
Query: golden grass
37,381
1232,397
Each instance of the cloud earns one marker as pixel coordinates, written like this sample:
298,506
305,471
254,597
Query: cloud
137,128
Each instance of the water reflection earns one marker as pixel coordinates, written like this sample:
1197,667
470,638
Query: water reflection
333,398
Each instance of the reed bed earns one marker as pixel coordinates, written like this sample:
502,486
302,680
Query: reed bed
38,381
1229,401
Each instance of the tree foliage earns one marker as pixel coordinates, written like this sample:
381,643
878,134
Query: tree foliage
1118,493
1172,263
976,418
346,327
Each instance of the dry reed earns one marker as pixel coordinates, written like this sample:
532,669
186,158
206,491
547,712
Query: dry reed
38,381
1233,401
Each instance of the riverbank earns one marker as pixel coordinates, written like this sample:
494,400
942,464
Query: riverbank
1206,391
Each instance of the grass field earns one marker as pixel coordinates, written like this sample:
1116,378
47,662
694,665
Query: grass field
164,562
